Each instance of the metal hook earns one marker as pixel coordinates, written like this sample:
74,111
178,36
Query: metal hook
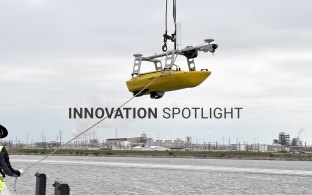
164,47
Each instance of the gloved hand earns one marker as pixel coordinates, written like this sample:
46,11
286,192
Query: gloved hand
21,171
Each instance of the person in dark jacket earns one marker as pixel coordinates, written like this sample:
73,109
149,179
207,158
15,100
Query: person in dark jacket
5,165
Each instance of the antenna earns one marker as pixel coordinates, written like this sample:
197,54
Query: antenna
137,55
209,40
179,34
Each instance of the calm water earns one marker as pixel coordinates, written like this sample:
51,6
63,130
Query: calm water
119,175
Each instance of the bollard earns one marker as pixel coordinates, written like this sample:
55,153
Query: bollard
61,188
41,180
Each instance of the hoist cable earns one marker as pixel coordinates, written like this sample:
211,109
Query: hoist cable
174,13
165,35
166,16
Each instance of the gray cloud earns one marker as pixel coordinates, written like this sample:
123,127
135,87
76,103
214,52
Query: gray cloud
55,54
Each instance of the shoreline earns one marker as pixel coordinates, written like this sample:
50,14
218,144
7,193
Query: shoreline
238,155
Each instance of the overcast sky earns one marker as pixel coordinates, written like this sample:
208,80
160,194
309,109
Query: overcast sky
56,54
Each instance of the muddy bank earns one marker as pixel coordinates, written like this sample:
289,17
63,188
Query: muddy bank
172,154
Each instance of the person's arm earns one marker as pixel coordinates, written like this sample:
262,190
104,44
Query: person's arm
6,165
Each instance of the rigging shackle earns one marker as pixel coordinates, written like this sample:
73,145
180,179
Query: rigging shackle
164,47
173,37
166,37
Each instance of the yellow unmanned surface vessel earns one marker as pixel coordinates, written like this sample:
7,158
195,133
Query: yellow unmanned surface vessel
170,77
